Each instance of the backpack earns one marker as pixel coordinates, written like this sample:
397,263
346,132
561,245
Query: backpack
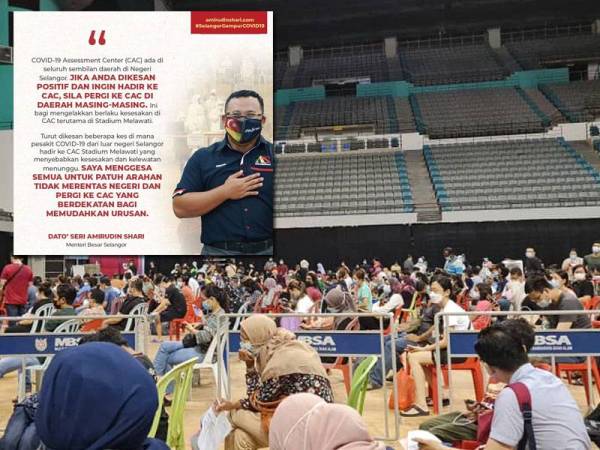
484,421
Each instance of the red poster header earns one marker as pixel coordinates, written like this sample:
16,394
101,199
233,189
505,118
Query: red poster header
229,22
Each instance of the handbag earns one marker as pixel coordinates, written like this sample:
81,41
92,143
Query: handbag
405,385
189,340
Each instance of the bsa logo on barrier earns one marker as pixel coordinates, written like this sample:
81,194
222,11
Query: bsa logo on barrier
552,342
61,343
41,344
319,343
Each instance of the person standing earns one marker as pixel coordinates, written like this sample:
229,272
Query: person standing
15,279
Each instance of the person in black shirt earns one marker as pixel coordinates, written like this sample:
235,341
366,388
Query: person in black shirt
134,297
582,286
230,183
172,304
44,297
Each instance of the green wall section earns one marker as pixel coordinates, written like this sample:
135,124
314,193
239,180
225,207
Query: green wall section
287,96
3,22
6,96
524,79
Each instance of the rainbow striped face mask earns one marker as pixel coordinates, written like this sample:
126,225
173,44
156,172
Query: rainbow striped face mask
243,130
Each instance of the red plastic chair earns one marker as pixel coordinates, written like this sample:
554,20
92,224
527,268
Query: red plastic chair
339,362
472,365
568,368
593,304
176,326
397,312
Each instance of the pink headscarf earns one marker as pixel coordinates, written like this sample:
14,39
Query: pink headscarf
307,422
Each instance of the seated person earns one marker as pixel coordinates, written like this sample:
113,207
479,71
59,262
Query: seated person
307,422
172,304
421,333
83,378
134,297
171,353
554,299
44,296
95,307
277,366
483,300
65,296
582,286
462,426
421,357
557,422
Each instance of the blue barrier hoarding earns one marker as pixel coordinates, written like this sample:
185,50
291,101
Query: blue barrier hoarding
42,344
548,342
331,343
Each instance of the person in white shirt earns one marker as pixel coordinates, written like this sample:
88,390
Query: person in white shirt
395,301
421,357
514,291
569,263
298,293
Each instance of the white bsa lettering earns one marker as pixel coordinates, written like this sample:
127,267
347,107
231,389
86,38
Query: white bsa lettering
317,340
552,339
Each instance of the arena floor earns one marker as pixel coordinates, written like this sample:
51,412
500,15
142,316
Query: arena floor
204,395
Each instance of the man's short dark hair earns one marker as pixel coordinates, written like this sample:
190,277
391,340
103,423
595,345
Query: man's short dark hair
537,283
522,329
97,295
67,292
105,280
499,348
246,93
137,284
109,334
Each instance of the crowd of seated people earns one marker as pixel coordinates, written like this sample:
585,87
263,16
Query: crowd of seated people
278,365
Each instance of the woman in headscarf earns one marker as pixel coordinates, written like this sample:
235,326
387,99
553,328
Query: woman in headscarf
337,301
277,365
271,293
101,377
306,422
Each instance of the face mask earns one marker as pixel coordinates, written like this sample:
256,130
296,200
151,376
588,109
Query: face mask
206,307
579,276
544,303
435,297
247,346
243,130
475,296
333,310
179,285
529,254
595,249
573,257
554,283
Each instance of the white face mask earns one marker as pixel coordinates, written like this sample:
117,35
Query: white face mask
595,249
475,295
529,254
435,297
554,283
544,303
573,257
579,276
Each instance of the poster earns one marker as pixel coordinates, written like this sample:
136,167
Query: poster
109,112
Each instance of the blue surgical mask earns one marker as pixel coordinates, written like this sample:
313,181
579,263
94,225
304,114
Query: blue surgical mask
554,283
206,307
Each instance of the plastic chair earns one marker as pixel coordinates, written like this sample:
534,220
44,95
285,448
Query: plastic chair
243,310
181,375
339,364
411,311
38,326
472,365
581,368
207,362
176,326
138,310
358,392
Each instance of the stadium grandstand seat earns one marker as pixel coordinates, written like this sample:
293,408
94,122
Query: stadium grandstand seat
369,182
454,64
477,112
537,53
579,100
511,174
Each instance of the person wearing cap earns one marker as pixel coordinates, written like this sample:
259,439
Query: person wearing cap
230,183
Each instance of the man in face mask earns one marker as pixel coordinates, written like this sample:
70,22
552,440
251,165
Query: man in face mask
230,183
552,298
592,261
